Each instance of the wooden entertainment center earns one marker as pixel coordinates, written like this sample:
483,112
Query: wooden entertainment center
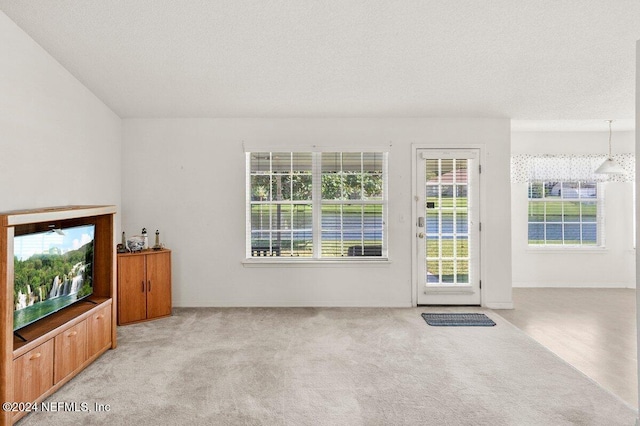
46,354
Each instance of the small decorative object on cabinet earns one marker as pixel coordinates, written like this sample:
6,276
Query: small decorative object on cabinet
144,286
135,243
145,239
157,245
38,357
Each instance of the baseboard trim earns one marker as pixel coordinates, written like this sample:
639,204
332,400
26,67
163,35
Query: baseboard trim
547,284
290,304
498,305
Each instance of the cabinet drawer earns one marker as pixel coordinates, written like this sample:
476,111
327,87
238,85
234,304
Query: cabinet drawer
99,331
71,350
33,373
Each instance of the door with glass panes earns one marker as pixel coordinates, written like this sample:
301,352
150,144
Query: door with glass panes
447,228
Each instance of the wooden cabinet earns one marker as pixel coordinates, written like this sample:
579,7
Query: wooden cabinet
66,353
33,373
132,289
99,332
71,349
144,286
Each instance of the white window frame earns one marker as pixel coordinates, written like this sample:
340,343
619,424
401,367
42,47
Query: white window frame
317,203
600,228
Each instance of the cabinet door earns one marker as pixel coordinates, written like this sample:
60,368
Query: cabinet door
70,350
33,373
99,331
158,284
132,297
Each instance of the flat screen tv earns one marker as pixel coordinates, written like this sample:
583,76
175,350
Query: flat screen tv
52,270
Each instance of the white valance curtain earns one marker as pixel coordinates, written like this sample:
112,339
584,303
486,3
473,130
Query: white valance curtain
564,167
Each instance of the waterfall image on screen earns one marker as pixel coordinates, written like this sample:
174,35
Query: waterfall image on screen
52,270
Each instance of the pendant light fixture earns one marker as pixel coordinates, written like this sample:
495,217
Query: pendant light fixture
610,167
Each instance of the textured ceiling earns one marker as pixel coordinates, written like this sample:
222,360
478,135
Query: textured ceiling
527,60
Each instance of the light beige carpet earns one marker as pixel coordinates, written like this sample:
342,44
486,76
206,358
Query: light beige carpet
330,366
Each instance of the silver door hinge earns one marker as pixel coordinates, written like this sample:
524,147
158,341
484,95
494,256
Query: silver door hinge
480,283
479,168
480,226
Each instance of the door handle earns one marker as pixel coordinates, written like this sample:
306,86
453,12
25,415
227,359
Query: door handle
149,286
420,234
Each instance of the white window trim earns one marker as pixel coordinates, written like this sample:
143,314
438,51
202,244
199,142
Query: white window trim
600,245
566,249
317,204
308,262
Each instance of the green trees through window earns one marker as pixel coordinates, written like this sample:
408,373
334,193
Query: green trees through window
563,213
316,205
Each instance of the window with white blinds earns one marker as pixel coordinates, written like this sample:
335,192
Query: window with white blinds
565,213
316,205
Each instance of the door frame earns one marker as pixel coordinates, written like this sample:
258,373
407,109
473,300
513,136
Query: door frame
414,216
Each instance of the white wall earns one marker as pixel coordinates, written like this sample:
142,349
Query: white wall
59,144
612,267
637,146
186,177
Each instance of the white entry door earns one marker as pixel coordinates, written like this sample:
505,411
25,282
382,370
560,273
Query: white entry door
448,227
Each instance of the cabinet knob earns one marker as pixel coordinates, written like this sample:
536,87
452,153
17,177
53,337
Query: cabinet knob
35,356
71,334
99,317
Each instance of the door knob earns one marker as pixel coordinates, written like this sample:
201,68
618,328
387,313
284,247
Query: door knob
420,234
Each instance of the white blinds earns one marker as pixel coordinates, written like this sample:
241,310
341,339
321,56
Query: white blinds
316,204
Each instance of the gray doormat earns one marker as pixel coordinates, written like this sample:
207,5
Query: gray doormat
458,320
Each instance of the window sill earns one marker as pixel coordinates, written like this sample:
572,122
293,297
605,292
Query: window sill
312,263
566,249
